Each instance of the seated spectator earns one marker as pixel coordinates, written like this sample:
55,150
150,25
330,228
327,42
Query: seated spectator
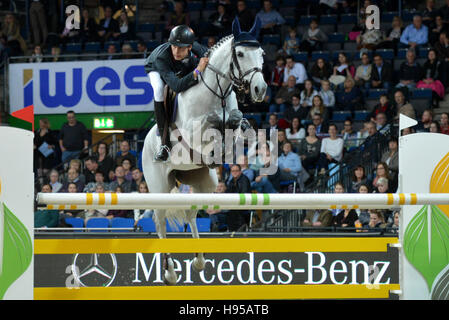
296,131
142,187
108,28
264,183
137,179
435,30
434,127
120,181
309,148
126,164
127,52
277,75
394,225
88,27
390,157
321,126
143,50
96,213
313,39
218,216
346,219
444,123
350,99
402,106
318,108
105,162
291,42
431,75
317,218
119,213
242,160
343,67
69,35
99,179
363,213
364,131
37,55
127,27
393,35
426,120
376,221
296,109
415,35
220,22
321,71
382,186
282,138
383,171
331,150
71,188
258,156
55,54
382,124
381,73
91,165
368,39
112,52
177,17
409,72
338,188
351,137
77,165
56,186
327,95
271,130
46,218
270,19
295,69
363,73
10,30
284,96
239,183
358,178
289,163
429,14
383,106
73,177
245,16
126,152
308,94
407,131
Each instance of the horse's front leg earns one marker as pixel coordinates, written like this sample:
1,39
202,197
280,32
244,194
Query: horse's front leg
199,261
168,264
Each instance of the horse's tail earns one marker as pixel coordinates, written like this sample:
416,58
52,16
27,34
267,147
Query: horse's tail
176,217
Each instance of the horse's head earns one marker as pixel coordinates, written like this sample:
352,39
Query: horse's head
247,61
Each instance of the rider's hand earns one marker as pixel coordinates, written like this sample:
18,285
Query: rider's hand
202,65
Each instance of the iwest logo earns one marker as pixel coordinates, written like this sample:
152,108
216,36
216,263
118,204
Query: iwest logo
69,88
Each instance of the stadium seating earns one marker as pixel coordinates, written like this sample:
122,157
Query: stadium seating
98,223
122,223
147,225
203,225
75,223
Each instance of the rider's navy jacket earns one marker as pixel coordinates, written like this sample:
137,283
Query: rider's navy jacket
177,74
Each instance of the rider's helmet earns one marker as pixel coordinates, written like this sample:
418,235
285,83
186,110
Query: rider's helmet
181,36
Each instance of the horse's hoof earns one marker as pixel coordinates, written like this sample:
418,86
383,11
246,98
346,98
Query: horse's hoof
169,278
198,264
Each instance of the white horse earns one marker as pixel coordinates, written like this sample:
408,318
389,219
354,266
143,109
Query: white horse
235,60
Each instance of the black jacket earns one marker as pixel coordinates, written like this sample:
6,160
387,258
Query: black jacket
177,74
386,73
241,185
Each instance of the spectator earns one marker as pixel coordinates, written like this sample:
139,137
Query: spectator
127,27
435,127
44,141
99,179
282,138
381,73
244,15
137,179
10,30
108,28
37,55
382,186
72,138
56,186
317,218
126,164
296,109
426,120
68,33
295,69
382,124
126,153
120,181
321,71
96,213
211,41
363,213
119,213
338,188
271,131
112,52
368,39
429,14
383,171
394,225
291,42
313,39
239,184
444,12
342,70
38,22
142,187
358,179
296,131
363,72
308,94
431,75
277,75
331,150
264,183
376,221
73,177
407,131
393,35
142,49
178,17
127,51
309,148
270,19
284,96
77,165
55,53
383,106
327,95
321,126
442,49
46,218
289,163
350,99
391,157
364,132
434,34
220,22
402,106
346,219
318,107
351,137
415,35
444,123
88,27
91,166
218,216
105,162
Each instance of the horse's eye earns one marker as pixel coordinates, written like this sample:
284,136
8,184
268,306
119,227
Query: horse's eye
240,54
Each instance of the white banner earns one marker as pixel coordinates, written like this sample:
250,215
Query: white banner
82,86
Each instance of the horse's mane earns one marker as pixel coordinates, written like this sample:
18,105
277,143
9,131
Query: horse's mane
218,45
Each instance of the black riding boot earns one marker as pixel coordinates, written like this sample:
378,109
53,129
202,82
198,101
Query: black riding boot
162,125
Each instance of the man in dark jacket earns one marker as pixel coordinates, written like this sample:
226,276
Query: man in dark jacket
238,184
73,138
178,64
381,73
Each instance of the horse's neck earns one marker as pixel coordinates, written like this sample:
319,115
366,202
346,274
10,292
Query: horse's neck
221,60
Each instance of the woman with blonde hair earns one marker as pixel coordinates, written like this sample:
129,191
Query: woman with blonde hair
147,213
11,30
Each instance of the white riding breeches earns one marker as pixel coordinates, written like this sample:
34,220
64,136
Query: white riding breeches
158,86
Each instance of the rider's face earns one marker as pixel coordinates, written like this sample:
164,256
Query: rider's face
180,53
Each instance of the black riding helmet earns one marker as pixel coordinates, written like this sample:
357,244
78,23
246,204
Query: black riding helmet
181,36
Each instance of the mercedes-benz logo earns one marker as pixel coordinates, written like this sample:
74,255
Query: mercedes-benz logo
94,270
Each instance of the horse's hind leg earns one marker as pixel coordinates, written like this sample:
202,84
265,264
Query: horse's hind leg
168,264
199,261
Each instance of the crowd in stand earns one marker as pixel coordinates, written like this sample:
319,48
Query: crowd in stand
300,104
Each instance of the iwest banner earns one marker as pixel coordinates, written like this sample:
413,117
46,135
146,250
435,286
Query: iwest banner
82,86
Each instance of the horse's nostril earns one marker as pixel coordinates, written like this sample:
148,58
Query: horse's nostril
256,89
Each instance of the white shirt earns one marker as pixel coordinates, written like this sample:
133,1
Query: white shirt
333,147
308,100
300,134
298,71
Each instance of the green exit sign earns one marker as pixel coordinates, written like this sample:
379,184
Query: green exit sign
104,123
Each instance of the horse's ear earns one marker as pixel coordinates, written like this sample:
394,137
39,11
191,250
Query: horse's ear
256,28
236,28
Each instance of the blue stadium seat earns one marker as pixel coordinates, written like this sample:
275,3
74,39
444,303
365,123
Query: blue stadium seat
305,20
133,44
147,225
115,43
175,228
328,19
300,56
290,21
320,54
253,4
255,116
348,19
376,93
75,223
386,54
421,93
194,6
340,115
423,52
122,223
151,45
146,27
272,39
203,225
388,16
361,115
73,48
336,38
92,47
101,223
401,53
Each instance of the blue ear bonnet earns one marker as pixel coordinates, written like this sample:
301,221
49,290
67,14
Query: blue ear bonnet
246,38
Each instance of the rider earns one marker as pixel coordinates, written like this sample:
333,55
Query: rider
177,63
